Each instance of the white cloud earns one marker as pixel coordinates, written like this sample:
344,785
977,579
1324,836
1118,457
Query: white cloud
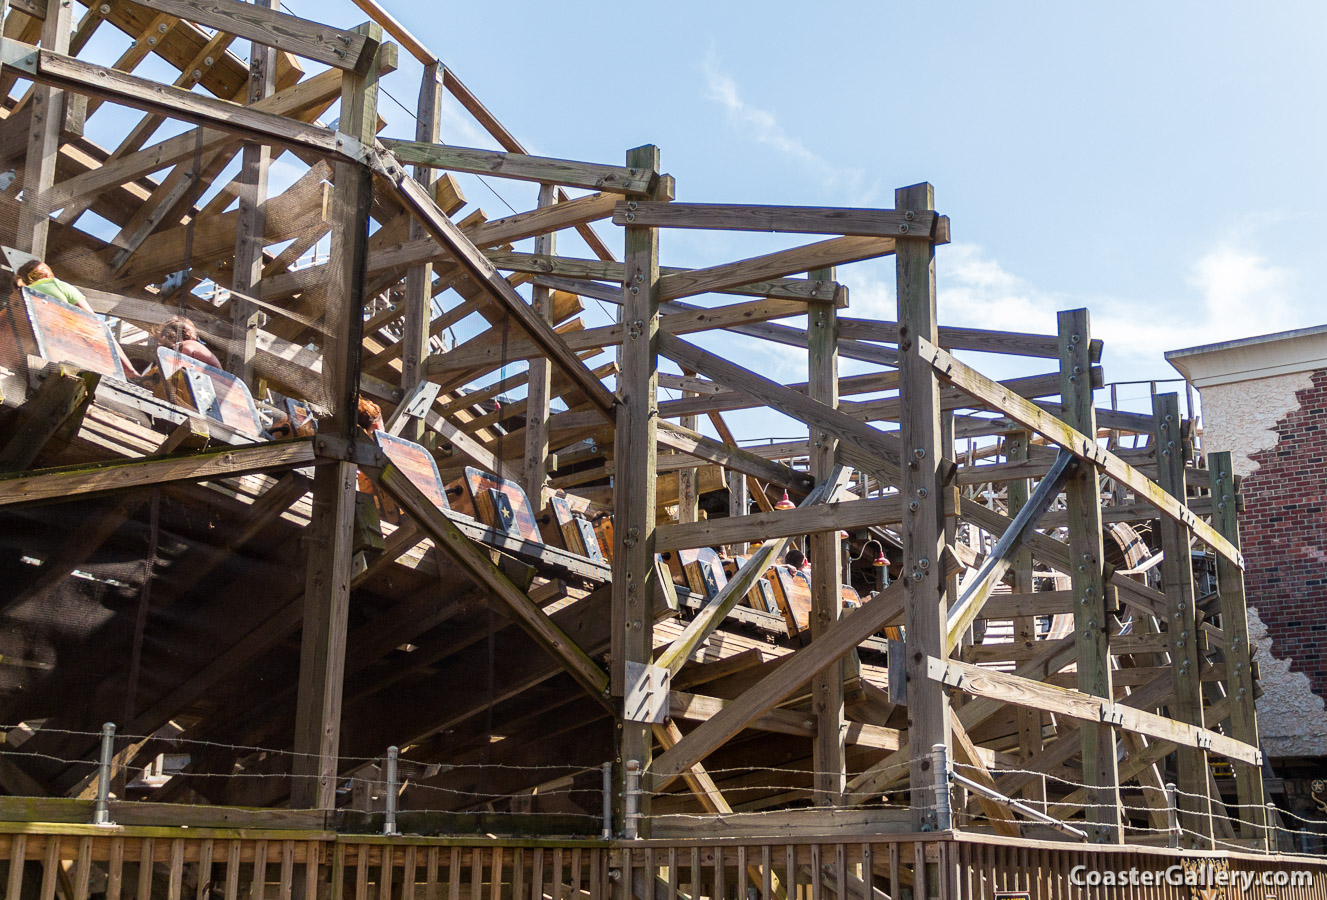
1243,293
764,127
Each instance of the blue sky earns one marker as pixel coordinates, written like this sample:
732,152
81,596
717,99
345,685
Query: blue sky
1162,164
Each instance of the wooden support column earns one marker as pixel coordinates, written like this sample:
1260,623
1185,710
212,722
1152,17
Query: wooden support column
1239,667
419,278
541,378
739,504
252,223
327,581
34,219
1025,627
635,578
1182,628
926,603
1087,559
826,564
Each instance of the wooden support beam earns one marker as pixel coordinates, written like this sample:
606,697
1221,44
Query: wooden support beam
1003,555
977,681
767,693
968,758
348,49
1091,617
68,482
539,392
981,340
925,593
251,227
1017,493
59,400
1239,665
828,749
481,569
443,230
1029,415
34,216
1182,627
635,485
797,219
677,654
327,579
66,72
818,519
591,176
691,442
823,254
861,445
414,344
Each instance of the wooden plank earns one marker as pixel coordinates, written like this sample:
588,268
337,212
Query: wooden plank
767,693
545,170
480,568
1240,688
822,254
1005,688
845,514
1091,622
1181,623
47,485
417,200
924,588
861,445
539,391
59,401
980,340
1029,415
66,72
678,653
340,49
798,219
48,102
691,442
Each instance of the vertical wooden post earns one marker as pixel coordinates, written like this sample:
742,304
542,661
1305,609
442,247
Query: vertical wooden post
1025,627
540,381
331,526
1087,556
826,571
634,575
34,219
925,598
252,224
739,501
1239,666
419,279
1182,627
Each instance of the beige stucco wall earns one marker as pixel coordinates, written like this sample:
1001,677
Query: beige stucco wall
1240,417
1292,719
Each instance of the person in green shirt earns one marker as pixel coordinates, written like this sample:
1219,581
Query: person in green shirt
38,276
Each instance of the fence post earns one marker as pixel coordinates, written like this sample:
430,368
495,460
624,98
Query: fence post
940,762
631,809
607,832
389,819
1172,815
102,814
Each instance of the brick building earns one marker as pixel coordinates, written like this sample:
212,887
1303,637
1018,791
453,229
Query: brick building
1265,400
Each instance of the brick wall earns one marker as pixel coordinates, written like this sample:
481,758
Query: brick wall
1284,535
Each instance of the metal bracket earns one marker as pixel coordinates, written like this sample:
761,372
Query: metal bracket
647,693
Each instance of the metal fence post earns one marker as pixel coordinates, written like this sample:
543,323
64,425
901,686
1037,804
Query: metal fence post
102,813
607,769
944,819
1172,815
631,813
389,819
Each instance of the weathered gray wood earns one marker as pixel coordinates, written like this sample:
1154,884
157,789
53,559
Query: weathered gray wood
861,445
1182,628
925,596
59,401
539,391
823,254
1029,721
615,179
845,514
797,219
34,218
1046,346
1239,666
338,48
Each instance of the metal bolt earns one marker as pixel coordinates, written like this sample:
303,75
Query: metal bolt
920,452
163,28
209,61
909,215
924,563
635,290
631,217
922,492
104,8
916,575
903,229
198,73
152,42
914,506
631,204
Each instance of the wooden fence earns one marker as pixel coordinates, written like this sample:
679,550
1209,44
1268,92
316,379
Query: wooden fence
77,862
